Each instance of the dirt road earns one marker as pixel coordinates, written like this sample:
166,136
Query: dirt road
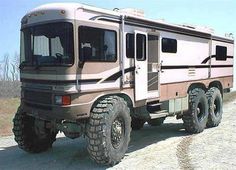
165,147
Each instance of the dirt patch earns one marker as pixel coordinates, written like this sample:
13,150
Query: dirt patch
183,153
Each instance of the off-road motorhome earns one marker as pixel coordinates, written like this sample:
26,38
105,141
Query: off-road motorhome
96,72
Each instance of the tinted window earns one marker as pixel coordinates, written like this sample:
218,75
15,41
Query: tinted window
130,45
169,45
141,47
221,53
97,44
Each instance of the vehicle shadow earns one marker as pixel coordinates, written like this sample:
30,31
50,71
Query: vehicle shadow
154,134
72,154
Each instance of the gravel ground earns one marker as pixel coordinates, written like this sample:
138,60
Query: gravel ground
164,147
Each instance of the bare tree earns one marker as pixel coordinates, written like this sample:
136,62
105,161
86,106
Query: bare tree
15,67
1,71
9,76
6,67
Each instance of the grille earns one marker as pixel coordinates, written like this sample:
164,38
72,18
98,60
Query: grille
38,97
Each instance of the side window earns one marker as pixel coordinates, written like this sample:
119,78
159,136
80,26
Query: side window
130,45
169,45
141,47
221,53
97,44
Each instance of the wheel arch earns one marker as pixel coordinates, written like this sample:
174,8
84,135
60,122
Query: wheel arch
218,85
197,85
125,96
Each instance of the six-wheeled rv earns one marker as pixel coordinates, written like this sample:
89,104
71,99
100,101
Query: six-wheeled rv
99,73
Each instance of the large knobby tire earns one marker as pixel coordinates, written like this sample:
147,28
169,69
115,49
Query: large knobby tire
196,118
215,107
156,122
137,123
26,136
108,130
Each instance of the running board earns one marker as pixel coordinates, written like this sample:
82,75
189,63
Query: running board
159,114
154,107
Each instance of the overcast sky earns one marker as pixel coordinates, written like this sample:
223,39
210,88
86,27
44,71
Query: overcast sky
218,14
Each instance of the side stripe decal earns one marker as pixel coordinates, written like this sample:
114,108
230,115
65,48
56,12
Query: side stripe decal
117,75
213,56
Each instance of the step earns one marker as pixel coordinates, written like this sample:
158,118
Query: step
159,114
154,104
154,107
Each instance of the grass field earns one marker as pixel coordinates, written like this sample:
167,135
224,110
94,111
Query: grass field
8,108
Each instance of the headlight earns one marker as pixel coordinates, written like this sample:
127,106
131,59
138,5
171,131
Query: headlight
63,100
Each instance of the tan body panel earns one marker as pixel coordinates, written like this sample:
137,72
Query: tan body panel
175,90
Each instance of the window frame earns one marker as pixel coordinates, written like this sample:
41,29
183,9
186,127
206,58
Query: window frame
97,61
166,50
31,64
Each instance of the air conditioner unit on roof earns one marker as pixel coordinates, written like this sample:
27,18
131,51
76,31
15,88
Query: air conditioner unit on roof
132,11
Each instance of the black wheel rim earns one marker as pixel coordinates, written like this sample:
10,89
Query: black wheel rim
117,132
200,111
217,107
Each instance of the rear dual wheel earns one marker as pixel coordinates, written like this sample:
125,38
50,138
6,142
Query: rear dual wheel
195,119
215,107
205,110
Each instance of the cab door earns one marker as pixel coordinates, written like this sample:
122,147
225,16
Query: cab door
140,54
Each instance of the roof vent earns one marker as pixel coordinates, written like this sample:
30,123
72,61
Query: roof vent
199,28
132,11
229,35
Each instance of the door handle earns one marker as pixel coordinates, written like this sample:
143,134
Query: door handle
136,69
160,67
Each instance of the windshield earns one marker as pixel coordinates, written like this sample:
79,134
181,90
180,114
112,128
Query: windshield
48,44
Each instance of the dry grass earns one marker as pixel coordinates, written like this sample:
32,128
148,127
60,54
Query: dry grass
8,107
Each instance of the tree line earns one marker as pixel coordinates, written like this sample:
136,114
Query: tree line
9,76
9,67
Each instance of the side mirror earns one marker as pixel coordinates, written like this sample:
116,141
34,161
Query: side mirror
86,54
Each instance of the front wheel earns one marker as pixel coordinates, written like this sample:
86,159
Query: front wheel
108,130
30,136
